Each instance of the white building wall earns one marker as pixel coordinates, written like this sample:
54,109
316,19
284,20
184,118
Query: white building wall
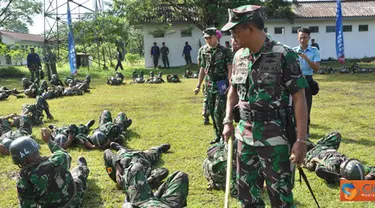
357,44
7,40
175,43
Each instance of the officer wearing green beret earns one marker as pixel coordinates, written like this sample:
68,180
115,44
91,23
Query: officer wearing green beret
215,68
265,74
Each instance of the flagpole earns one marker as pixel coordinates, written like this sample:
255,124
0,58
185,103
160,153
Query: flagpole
339,34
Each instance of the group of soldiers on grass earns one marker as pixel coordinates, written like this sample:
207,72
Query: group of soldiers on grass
138,78
252,85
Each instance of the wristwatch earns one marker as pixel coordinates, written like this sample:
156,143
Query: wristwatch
198,86
227,120
304,141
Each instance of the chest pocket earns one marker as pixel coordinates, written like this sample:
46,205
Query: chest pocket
267,74
240,76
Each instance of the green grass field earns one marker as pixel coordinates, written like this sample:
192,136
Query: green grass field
172,113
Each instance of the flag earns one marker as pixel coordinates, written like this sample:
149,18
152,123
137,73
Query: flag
339,34
71,45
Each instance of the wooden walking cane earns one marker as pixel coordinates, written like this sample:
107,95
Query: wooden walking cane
229,172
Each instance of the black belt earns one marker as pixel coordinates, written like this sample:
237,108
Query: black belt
260,116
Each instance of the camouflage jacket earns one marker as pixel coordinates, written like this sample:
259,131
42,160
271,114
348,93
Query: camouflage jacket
264,82
47,183
215,62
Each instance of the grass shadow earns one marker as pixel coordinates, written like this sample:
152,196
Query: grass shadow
363,142
92,194
130,134
316,136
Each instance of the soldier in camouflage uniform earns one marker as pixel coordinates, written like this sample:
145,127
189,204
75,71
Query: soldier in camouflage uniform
116,80
115,164
138,79
7,136
215,167
35,111
330,165
67,135
53,92
55,81
110,131
47,181
265,74
189,74
172,193
6,92
50,60
216,69
173,78
33,90
25,83
155,80
164,50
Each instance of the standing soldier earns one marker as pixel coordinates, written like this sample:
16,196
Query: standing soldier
47,181
216,69
186,53
119,59
50,60
33,63
265,74
155,53
164,55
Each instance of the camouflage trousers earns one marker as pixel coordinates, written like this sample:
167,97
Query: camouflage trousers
258,164
79,174
34,73
51,69
172,193
205,111
216,104
165,61
145,158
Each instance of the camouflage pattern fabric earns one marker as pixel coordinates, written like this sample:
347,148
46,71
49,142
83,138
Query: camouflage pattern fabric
172,193
55,81
49,183
324,156
80,136
113,130
205,111
34,72
35,111
270,164
7,135
53,92
173,78
146,158
50,61
215,167
4,96
215,62
33,90
264,82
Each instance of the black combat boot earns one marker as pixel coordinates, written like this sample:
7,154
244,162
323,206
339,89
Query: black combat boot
51,126
163,148
216,140
206,120
90,123
82,161
115,146
157,175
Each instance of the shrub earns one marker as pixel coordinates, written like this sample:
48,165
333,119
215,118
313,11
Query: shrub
132,58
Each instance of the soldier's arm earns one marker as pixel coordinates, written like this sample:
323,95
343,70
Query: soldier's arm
60,157
228,61
69,142
25,195
296,84
232,98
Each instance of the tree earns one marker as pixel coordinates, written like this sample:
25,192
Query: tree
202,13
14,12
17,26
